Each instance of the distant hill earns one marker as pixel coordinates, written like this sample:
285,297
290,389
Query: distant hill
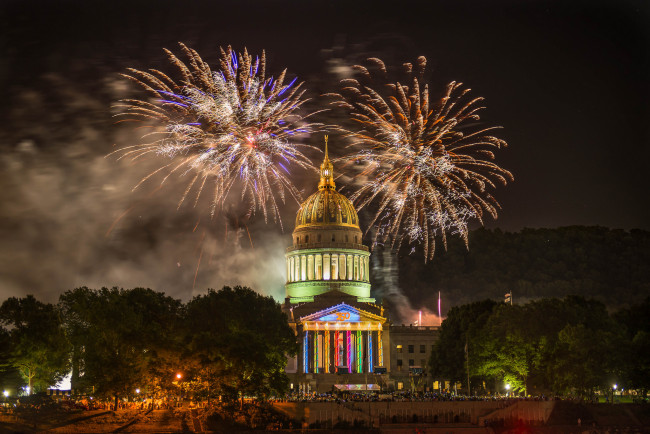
611,265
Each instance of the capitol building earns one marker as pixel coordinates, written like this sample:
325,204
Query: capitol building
347,341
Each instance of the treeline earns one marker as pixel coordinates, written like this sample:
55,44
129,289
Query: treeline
548,346
225,343
610,265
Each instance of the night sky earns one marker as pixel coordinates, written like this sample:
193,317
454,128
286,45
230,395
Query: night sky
567,80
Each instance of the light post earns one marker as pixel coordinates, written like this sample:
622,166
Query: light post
613,391
508,389
180,388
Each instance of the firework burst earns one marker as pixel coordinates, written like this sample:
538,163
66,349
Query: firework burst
234,128
424,166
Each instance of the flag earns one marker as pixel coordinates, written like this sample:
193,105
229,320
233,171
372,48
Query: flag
508,298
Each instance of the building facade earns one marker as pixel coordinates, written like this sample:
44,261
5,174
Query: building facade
345,335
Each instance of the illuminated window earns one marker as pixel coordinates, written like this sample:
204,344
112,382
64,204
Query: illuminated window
399,348
400,385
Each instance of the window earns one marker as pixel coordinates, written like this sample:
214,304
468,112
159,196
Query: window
306,238
422,349
318,238
333,237
400,385
355,238
399,348
411,349
399,364
411,362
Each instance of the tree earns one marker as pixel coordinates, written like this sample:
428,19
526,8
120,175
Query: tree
37,345
462,325
634,321
504,348
575,367
240,341
123,339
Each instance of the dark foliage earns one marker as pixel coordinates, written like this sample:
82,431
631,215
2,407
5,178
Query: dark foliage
610,265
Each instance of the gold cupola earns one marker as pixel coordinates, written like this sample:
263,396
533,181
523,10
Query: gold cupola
327,207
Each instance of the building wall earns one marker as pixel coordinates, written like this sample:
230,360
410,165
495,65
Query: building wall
411,346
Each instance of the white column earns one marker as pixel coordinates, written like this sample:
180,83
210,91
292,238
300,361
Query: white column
303,267
335,266
342,266
366,260
326,266
356,267
350,267
310,267
318,263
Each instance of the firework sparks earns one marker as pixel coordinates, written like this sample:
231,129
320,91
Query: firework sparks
235,128
425,167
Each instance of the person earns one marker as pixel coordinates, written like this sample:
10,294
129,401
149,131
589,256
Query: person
579,422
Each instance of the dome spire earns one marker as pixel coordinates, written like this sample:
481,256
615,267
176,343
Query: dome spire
326,172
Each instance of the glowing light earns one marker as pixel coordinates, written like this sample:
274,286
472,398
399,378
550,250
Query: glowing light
5,393
349,352
327,351
370,367
380,349
137,390
337,357
507,386
359,339
305,353
229,126
614,386
316,355
178,376
428,170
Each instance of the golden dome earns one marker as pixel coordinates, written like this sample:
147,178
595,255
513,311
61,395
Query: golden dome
327,206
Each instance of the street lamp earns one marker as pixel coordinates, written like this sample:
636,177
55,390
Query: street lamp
137,390
507,389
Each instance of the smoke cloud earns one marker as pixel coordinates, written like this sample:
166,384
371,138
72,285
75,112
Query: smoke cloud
70,216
